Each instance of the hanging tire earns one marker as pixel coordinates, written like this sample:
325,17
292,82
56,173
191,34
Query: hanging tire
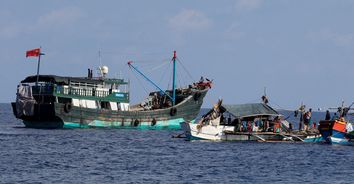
136,123
67,107
197,95
153,122
173,111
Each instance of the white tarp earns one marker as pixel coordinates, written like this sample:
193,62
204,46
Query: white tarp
124,106
91,104
25,101
349,127
76,102
114,106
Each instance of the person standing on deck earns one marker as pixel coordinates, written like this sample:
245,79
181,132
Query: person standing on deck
302,110
309,117
328,115
307,120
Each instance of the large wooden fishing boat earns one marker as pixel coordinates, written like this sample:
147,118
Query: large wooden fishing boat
49,101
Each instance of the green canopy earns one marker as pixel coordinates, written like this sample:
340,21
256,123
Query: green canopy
250,110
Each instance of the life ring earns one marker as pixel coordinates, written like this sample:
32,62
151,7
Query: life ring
153,122
67,107
173,111
197,96
136,123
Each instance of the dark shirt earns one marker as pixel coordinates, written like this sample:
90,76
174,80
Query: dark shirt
328,116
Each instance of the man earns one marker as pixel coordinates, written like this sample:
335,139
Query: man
307,119
328,115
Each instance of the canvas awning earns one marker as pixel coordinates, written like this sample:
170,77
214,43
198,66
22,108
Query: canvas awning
251,110
66,80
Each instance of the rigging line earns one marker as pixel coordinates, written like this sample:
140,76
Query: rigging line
276,104
164,74
151,60
254,101
185,69
185,80
140,82
169,81
180,81
157,67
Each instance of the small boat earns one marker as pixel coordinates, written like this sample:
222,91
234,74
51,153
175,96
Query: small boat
337,131
49,101
244,122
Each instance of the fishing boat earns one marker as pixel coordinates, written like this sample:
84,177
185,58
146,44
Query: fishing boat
339,130
243,122
49,101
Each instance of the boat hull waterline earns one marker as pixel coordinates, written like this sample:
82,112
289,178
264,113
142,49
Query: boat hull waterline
55,116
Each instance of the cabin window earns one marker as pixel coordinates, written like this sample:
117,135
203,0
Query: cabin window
105,105
64,100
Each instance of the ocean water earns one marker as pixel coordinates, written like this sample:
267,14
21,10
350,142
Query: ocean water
135,156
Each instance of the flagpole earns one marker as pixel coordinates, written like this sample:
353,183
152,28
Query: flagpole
39,62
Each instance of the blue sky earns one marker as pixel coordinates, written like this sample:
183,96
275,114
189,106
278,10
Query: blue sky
300,50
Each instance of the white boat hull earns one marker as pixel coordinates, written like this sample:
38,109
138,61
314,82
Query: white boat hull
226,133
340,141
209,132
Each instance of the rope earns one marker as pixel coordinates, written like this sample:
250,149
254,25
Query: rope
164,74
169,81
276,104
185,69
141,84
157,67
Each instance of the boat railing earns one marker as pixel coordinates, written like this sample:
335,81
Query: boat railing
75,91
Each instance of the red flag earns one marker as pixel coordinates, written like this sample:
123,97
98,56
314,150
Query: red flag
33,53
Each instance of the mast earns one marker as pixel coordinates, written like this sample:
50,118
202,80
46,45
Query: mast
174,79
39,63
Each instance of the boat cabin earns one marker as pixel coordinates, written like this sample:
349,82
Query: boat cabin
255,117
86,92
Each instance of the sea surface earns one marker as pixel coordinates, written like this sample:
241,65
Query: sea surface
136,156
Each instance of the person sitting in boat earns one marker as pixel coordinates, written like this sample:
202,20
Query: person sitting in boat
266,126
277,125
255,127
156,102
256,124
341,119
335,116
244,126
249,126
202,84
237,124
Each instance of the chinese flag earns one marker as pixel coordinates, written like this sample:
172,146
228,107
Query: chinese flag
33,53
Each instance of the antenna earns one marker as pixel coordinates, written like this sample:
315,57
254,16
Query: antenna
265,91
99,57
